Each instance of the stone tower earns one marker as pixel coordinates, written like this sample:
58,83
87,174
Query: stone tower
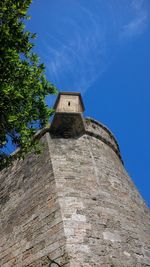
73,205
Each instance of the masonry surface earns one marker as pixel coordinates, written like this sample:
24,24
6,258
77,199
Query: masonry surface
74,203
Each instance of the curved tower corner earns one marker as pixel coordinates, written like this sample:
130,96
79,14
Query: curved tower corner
74,205
106,222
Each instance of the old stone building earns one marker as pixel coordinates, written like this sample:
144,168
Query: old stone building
73,205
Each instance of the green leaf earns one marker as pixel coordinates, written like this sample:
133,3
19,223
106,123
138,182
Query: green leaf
23,82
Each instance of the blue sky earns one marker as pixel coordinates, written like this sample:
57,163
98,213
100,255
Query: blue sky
101,49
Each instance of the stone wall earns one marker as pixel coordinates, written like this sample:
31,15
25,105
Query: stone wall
74,203
31,226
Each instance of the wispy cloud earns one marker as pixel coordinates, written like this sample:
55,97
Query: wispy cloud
136,26
138,22
85,48
80,61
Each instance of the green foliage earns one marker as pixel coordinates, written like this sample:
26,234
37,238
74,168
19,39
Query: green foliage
23,84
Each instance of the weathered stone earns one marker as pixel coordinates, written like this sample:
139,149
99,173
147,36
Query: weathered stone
74,203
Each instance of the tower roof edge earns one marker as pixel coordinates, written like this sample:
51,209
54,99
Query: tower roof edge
69,93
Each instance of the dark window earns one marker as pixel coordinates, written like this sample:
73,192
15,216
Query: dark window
68,103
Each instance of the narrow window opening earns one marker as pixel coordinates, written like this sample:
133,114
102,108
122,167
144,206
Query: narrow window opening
69,103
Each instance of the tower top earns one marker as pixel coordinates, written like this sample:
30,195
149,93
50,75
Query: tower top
69,102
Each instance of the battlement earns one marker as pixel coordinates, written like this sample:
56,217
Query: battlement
100,131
